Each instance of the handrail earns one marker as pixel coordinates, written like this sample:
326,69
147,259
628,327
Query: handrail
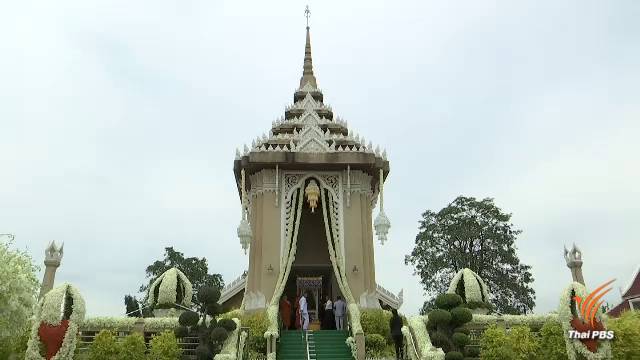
307,342
413,344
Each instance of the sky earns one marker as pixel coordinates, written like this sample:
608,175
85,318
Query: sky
119,123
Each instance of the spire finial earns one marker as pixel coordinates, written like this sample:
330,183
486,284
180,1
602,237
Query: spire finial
307,70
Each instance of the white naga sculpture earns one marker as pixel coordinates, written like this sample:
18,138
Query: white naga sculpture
573,258
52,258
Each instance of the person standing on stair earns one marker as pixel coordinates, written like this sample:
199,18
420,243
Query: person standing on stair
339,310
328,318
395,325
285,312
304,313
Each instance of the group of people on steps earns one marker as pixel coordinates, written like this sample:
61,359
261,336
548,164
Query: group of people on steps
332,316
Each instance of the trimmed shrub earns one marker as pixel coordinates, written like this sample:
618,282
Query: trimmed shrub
133,347
227,324
257,323
189,318
448,301
441,340
219,334
208,295
552,342
460,340
439,317
374,344
454,355
164,347
104,346
626,343
460,315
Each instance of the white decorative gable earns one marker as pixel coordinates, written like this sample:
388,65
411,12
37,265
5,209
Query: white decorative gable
312,140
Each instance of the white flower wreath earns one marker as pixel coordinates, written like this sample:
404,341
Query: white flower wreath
49,312
565,315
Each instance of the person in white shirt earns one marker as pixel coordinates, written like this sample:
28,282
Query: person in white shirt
304,313
339,311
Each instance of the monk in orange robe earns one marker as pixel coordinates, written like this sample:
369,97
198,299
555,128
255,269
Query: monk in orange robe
285,312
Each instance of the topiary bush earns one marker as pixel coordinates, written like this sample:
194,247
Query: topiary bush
104,347
626,343
444,325
552,343
211,336
374,344
164,347
132,347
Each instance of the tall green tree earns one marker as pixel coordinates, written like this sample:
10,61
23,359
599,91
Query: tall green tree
478,235
195,269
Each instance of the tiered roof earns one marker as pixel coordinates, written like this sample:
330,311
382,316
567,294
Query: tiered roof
309,133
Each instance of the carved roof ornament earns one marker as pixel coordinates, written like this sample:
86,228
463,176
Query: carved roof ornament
573,257
53,254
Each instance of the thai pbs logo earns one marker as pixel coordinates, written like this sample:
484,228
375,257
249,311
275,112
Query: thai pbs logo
589,327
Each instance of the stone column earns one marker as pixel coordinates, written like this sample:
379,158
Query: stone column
573,258
52,259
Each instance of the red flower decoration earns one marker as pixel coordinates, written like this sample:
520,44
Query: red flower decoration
52,337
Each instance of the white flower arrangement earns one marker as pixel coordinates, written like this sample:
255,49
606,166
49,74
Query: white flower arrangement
49,311
230,346
533,321
110,323
423,342
159,324
574,346
351,342
285,267
474,287
354,316
167,283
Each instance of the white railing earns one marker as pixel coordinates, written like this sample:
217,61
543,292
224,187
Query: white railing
233,288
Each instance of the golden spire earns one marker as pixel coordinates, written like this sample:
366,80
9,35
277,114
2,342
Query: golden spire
307,72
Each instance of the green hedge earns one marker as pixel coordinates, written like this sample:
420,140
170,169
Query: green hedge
626,343
257,323
376,321
519,344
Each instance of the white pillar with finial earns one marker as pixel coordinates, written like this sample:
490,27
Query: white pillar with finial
573,259
52,259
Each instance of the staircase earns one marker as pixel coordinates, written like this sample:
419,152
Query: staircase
292,346
323,345
331,345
